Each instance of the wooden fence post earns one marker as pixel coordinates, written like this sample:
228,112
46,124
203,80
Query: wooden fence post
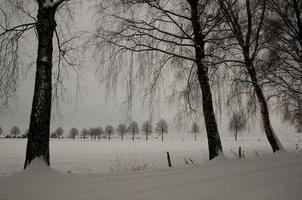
169,159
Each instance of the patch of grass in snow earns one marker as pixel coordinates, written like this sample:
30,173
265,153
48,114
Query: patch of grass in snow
128,165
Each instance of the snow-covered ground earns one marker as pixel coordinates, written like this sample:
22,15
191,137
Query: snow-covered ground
270,177
90,157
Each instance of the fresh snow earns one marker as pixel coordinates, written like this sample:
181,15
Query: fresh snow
273,177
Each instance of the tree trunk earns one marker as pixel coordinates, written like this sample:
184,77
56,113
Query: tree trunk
162,135
214,143
133,136
38,137
236,134
146,136
109,136
195,137
122,136
269,131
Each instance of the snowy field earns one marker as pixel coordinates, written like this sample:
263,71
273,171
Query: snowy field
102,157
115,170
270,177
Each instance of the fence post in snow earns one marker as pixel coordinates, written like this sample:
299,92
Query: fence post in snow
169,160
239,153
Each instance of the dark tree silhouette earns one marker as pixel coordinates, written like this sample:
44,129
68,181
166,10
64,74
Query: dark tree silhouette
84,133
245,19
237,123
161,128
147,129
121,129
59,132
15,132
133,129
180,35
195,130
73,133
109,130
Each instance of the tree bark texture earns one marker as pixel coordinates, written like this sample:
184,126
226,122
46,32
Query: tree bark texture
38,137
268,129
214,143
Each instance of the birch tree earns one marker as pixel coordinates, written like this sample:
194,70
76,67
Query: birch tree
171,34
245,20
19,20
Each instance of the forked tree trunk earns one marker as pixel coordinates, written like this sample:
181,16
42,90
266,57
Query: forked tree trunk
38,137
269,131
214,143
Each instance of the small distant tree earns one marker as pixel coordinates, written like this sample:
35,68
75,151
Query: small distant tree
84,133
59,132
15,132
25,134
121,130
92,133
73,133
147,128
53,135
133,129
237,123
109,130
195,130
98,132
161,128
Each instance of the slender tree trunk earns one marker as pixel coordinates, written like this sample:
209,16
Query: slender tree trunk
162,135
122,136
269,131
109,136
214,143
38,137
146,136
195,137
133,136
236,134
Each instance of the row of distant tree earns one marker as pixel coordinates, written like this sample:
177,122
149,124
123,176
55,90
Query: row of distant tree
237,124
132,129
95,133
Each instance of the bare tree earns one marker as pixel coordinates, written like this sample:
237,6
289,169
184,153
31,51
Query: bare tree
73,133
121,129
283,65
18,23
237,123
147,128
92,133
161,128
174,33
84,133
25,134
59,132
15,132
99,132
133,129
195,130
109,130
245,19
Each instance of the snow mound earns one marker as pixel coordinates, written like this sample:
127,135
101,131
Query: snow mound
276,177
